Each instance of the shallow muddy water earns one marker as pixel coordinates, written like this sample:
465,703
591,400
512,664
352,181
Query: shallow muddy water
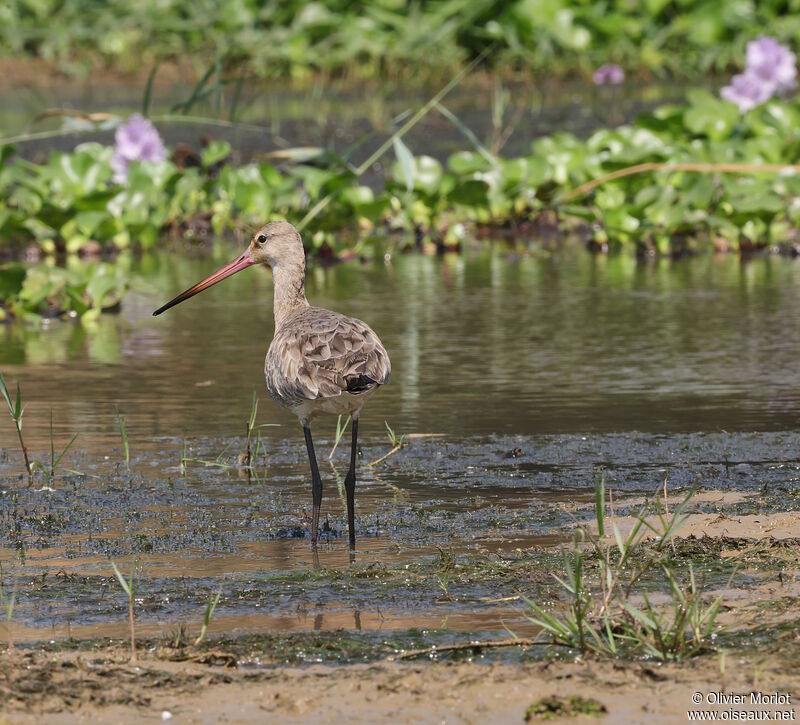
517,378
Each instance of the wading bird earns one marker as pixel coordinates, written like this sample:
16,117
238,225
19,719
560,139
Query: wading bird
319,360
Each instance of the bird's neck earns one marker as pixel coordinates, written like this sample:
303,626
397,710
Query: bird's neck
290,290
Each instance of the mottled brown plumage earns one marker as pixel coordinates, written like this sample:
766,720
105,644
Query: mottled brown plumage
319,360
317,355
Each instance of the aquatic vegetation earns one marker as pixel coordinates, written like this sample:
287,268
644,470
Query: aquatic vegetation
246,458
78,290
397,444
771,69
773,63
675,181
130,586
15,409
608,74
211,605
609,622
50,471
136,140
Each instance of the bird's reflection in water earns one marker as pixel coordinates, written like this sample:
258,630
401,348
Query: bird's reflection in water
319,619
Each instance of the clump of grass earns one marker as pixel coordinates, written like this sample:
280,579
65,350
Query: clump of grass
604,619
443,580
446,564
211,605
397,444
248,457
16,409
50,471
130,586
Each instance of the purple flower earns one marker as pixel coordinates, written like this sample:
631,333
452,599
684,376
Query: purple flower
772,62
747,90
136,140
770,68
608,74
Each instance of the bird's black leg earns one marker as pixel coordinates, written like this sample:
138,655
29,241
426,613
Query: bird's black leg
316,483
350,486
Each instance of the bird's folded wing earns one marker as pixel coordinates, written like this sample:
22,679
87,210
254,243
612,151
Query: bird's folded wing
323,354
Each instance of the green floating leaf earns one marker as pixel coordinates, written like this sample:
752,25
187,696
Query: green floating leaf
215,152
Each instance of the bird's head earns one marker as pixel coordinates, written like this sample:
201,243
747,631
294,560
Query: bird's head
275,244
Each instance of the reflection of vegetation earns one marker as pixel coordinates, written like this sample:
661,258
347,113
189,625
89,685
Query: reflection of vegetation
79,290
297,38
39,345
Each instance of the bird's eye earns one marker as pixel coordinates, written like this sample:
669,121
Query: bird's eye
261,239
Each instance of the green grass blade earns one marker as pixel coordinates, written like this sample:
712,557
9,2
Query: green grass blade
121,580
618,538
600,504
254,411
4,391
66,448
640,616
148,89
197,92
467,132
237,93
218,86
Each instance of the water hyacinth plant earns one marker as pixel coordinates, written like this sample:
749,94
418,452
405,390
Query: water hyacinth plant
770,69
136,140
773,63
609,74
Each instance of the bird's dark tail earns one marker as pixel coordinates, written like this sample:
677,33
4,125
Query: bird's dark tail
360,384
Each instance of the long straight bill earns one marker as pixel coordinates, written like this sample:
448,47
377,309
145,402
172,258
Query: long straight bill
243,261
